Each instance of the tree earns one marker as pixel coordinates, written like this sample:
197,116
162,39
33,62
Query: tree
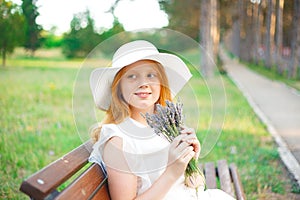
32,29
117,28
249,27
270,32
278,33
214,28
82,38
257,26
206,39
50,39
11,21
237,18
294,61
183,16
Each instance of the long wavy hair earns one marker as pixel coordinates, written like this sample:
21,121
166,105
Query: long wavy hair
119,108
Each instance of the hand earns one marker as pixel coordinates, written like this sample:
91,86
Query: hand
192,140
180,153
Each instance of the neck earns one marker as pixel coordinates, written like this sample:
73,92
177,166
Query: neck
136,114
138,117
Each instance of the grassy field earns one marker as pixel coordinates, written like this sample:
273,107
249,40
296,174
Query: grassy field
37,127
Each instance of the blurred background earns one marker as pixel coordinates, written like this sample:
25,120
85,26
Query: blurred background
44,43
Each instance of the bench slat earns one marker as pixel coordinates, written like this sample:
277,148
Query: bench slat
85,185
210,175
239,192
224,176
45,181
102,194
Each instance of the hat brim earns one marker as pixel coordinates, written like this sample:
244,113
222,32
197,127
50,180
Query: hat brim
101,79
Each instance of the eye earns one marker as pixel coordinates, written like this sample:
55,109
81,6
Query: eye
152,75
132,76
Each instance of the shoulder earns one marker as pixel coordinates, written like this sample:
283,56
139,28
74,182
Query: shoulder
115,142
108,131
109,128
113,154
111,136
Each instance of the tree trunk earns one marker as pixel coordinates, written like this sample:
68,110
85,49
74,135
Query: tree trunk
237,19
4,56
257,22
278,34
205,40
248,26
292,73
255,31
270,26
214,29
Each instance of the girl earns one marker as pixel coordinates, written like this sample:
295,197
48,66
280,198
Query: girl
139,163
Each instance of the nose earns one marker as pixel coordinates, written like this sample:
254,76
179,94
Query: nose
144,83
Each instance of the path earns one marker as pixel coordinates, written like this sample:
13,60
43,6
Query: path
277,105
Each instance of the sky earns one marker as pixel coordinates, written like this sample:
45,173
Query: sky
133,14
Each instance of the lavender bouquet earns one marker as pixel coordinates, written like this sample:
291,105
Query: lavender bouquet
167,122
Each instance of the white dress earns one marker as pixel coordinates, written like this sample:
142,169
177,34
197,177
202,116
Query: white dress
146,156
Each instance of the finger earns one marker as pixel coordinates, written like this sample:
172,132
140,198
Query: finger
180,152
186,130
194,142
182,146
190,137
178,140
188,156
185,152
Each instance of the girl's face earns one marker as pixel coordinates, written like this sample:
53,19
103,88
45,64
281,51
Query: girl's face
140,86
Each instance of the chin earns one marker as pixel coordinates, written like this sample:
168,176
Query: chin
144,106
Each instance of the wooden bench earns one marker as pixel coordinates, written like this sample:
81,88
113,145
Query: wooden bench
89,182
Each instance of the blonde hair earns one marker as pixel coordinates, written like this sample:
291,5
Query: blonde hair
119,109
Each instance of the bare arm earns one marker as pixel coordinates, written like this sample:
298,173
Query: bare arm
123,184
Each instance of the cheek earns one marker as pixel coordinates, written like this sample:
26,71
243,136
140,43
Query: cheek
126,90
156,89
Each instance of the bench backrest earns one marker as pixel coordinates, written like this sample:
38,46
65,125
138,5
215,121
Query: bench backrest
72,177
90,182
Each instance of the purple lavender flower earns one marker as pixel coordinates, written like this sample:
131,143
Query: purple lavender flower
167,121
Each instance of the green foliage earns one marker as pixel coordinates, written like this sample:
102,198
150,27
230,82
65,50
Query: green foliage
11,21
117,28
32,29
50,40
184,16
82,38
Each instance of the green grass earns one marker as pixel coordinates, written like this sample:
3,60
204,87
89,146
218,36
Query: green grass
273,75
270,73
36,122
37,127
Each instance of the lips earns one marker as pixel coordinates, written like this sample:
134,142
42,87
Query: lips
143,94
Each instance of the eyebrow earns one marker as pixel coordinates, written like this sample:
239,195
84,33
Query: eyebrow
150,69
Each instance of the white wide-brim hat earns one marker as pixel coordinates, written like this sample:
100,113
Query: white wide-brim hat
101,79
